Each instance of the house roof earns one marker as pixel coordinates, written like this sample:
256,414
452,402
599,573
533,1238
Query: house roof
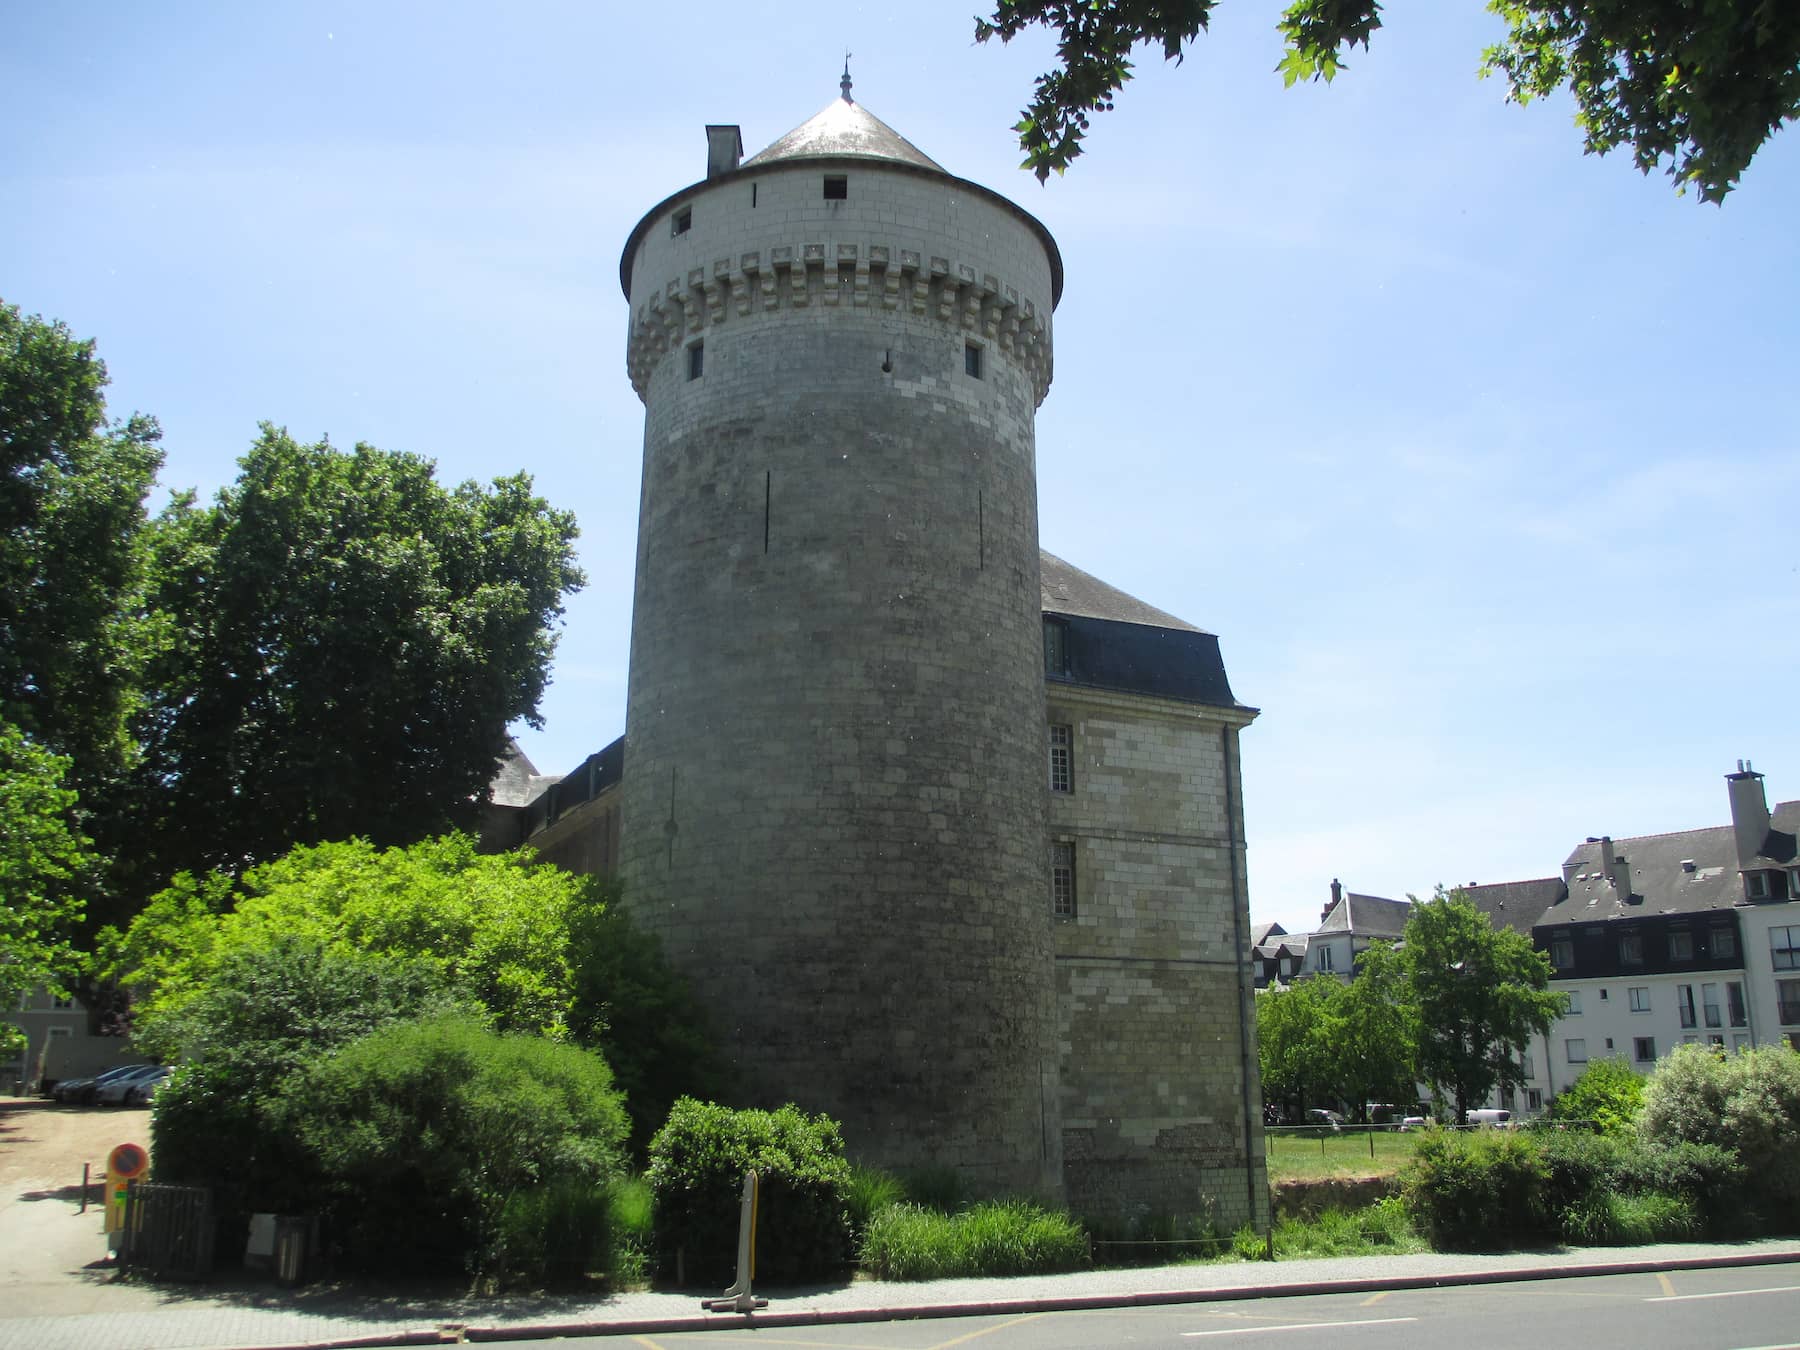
1066,589
843,130
1517,905
1265,932
517,782
1372,916
1658,878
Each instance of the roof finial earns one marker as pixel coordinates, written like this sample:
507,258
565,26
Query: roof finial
844,83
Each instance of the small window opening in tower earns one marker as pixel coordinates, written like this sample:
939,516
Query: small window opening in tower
837,187
682,221
972,360
697,360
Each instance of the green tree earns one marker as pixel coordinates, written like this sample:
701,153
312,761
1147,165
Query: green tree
1372,1033
1748,1102
1481,993
495,927
1696,86
72,492
46,868
1292,1043
1608,1093
353,640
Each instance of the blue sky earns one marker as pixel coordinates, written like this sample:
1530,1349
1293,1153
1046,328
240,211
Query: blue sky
1479,454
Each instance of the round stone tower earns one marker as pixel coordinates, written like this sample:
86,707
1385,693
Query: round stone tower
834,786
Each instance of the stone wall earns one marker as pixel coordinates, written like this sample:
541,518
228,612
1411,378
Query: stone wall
1161,1105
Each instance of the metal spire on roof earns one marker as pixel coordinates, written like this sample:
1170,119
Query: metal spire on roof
844,83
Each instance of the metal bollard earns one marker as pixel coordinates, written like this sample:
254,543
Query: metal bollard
738,1298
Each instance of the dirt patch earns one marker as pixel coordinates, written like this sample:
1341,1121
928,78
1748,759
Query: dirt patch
43,1145
1309,1199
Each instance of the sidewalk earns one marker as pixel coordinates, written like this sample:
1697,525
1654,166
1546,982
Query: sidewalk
90,1313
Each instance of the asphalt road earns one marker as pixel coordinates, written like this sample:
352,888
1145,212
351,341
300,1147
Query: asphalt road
1745,1308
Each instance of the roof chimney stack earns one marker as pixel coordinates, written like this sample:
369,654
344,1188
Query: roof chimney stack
1749,811
1337,896
724,150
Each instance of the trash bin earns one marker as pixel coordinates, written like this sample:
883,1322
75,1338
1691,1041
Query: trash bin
293,1246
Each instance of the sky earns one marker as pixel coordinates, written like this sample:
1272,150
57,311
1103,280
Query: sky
1480,455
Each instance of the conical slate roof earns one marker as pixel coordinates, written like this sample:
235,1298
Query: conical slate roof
844,128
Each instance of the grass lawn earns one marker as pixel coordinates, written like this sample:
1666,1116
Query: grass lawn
1306,1154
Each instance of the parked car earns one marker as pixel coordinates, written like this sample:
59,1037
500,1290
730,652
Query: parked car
1491,1118
143,1089
1329,1120
113,1093
1412,1123
80,1091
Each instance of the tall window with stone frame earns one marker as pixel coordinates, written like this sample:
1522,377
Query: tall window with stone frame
1062,878
1062,757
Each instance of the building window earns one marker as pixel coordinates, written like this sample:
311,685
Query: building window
1718,1042
1534,1099
1643,1049
696,360
1787,1002
1709,1005
1572,1003
1325,957
62,1002
1784,947
1681,945
1056,647
1690,1040
682,221
1562,952
1631,949
1724,942
1793,1040
1640,999
1756,885
1735,1010
837,187
1684,1003
1576,1050
1603,996
1062,878
1062,758
972,360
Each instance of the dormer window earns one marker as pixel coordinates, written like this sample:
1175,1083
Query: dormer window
1056,647
1756,885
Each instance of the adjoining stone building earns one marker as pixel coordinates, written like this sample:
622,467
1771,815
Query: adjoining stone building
987,929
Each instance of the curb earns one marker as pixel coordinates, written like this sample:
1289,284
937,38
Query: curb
458,1333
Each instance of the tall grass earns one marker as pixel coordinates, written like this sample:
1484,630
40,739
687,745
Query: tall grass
1004,1237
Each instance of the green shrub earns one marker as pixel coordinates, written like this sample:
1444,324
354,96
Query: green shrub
1748,1102
1608,1093
1577,1164
1004,1237
1381,1227
424,1132
1248,1245
1709,1177
556,1234
696,1175
1476,1189
631,1222
1604,1218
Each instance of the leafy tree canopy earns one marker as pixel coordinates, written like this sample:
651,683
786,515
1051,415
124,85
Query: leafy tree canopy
1481,993
1608,1093
495,928
1321,1041
1694,86
353,641
72,492
45,867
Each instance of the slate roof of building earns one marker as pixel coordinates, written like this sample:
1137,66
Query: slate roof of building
1657,876
1066,589
1517,905
1265,932
1367,916
517,781
844,129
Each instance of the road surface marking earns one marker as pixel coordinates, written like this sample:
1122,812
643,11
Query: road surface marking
1728,1293
1373,1299
1667,1285
1305,1326
987,1331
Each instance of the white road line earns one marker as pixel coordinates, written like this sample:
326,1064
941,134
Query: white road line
1728,1293
1305,1326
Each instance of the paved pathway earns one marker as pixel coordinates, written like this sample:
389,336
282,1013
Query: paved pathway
88,1312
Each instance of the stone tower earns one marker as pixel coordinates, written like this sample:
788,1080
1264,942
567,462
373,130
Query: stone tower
833,807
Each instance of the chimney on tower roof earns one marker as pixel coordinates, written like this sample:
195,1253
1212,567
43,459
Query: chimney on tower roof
724,150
